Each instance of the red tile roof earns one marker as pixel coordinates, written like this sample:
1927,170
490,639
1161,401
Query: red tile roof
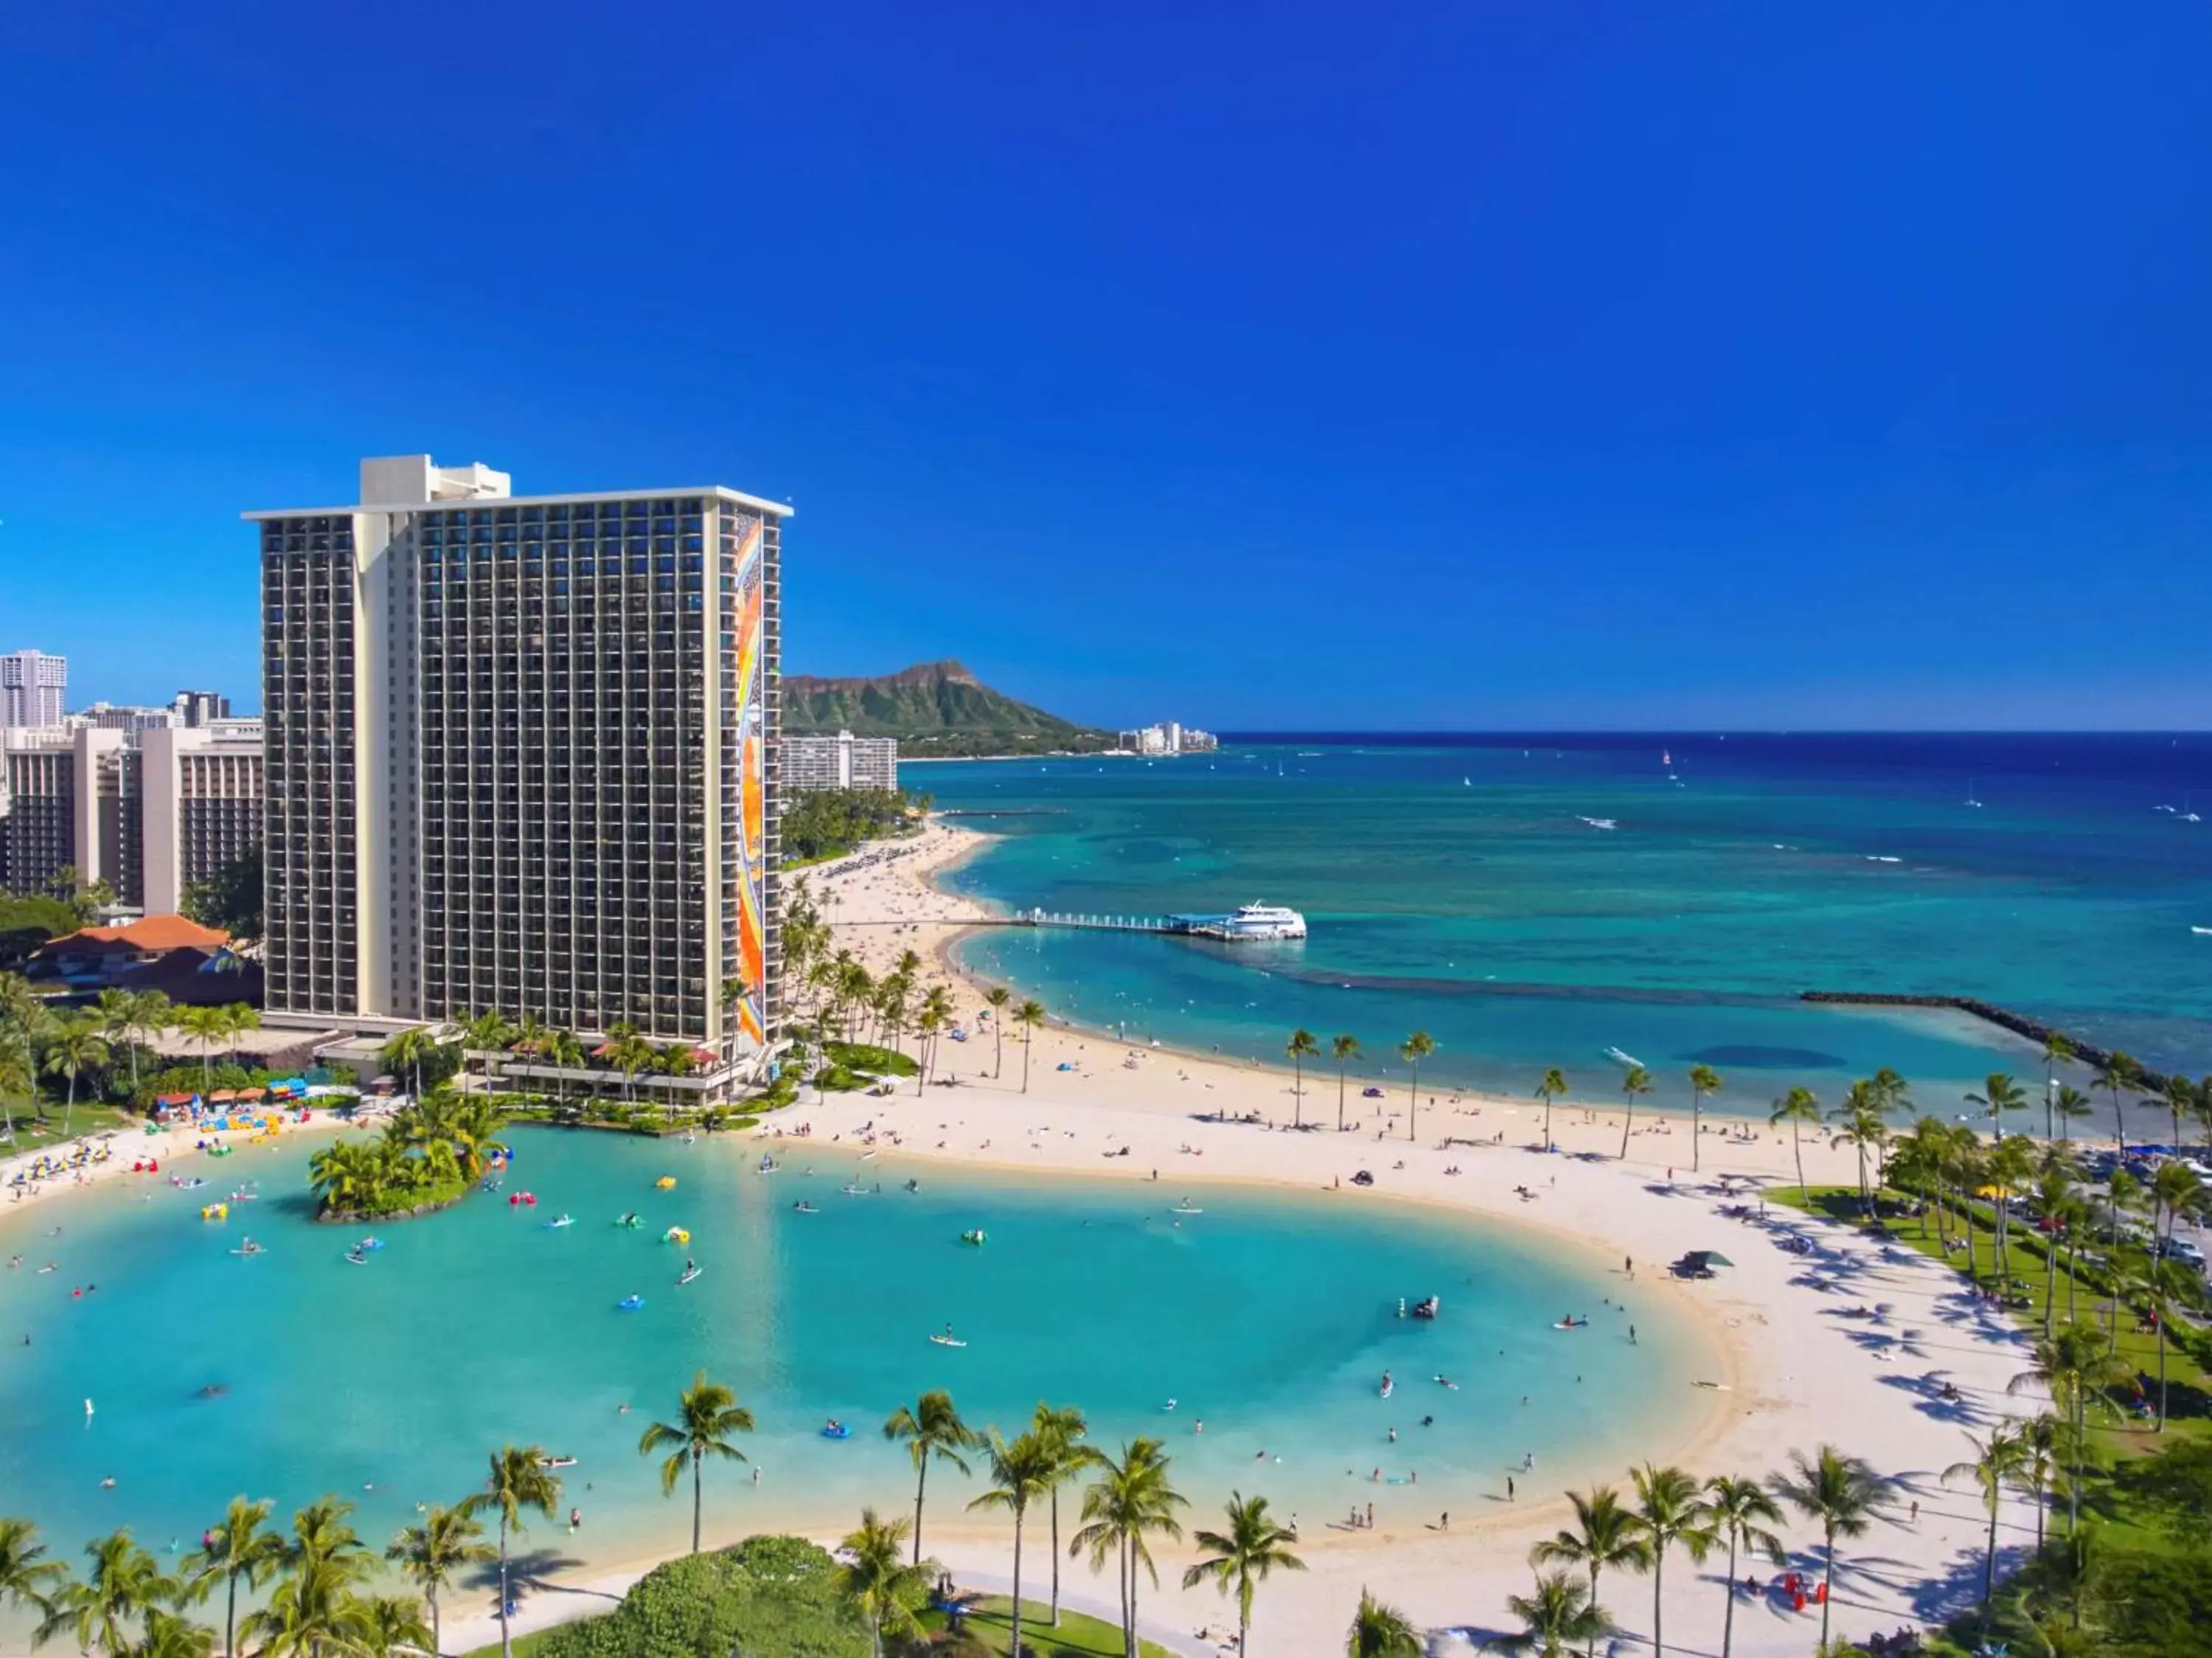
169,932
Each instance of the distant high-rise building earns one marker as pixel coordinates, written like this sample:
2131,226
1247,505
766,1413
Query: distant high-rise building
122,717
199,708
33,688
201,801
520,757
72,803
1169,739
844,761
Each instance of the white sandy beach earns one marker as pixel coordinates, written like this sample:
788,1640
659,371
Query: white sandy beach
1792,1369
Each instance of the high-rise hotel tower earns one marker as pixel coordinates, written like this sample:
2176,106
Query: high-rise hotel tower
520,759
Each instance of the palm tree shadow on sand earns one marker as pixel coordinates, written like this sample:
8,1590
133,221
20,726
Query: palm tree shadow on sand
527,1573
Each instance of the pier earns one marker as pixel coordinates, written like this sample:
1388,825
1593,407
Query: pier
1041,918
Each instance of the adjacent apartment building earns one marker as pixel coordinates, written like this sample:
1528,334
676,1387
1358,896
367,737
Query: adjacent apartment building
33,687
844,761
520,758
147,810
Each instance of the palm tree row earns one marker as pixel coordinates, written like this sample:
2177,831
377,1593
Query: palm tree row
72,1045
1672,1510
124,1605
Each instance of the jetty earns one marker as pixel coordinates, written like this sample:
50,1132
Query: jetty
2035,1030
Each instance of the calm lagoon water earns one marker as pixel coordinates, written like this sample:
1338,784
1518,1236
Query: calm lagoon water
1456,886
1271,1317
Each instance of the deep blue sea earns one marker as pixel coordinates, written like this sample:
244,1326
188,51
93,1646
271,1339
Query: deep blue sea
1458,885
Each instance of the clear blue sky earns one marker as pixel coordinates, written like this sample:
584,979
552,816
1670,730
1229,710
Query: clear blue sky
1471,364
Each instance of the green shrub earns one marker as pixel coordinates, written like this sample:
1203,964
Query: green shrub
862,1057
769,1597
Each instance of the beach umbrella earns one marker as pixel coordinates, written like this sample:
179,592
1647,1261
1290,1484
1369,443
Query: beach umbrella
1698,1258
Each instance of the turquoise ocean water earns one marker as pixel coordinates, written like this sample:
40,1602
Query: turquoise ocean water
1456,886
1270,1317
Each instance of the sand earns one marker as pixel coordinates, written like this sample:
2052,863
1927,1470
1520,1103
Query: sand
1792,1367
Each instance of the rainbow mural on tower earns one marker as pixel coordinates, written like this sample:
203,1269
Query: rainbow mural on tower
744,843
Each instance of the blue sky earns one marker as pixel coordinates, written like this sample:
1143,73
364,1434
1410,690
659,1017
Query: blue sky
1482,365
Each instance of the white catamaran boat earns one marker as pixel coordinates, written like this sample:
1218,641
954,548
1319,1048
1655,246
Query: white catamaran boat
1259,920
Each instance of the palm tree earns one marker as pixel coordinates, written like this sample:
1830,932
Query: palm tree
519,1479
1343,1050
1796,1108
207,1027
707,1415
998,997
2118,1073
25,1571
1999,1095
1605,1534
2180,1096
1996,1463
1241,1558
1861,1115
1029,1016
1300,1048
883,1587
1843,1494
431,1554
1379,1631
1061,1430
172,1635
2010,1164
1414,1049
2073,1105
1635,1081
2040,1436
1559,1614
240,1545
2070,1366
1021,1471
123,1583
127,1016
2174,1191
628,1053
1551,1087
74,1048
1703,1080
930,1427
2057,1051
393,1622
1744,1516
1669,1509
405,1053
1129,1502
487,1035
937,1013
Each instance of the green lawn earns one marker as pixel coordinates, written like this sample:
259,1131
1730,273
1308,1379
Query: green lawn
991,1623
35,1132
2115,1437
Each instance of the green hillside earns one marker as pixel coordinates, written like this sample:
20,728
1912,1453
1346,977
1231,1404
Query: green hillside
933,709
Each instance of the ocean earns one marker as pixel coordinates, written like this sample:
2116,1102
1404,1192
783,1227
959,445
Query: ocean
1538,900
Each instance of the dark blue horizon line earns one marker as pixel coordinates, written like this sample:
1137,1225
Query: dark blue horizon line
1692,732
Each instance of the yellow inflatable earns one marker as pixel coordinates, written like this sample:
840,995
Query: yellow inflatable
676,1234
216,1212
665,1183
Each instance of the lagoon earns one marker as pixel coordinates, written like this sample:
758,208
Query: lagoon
1271,1317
